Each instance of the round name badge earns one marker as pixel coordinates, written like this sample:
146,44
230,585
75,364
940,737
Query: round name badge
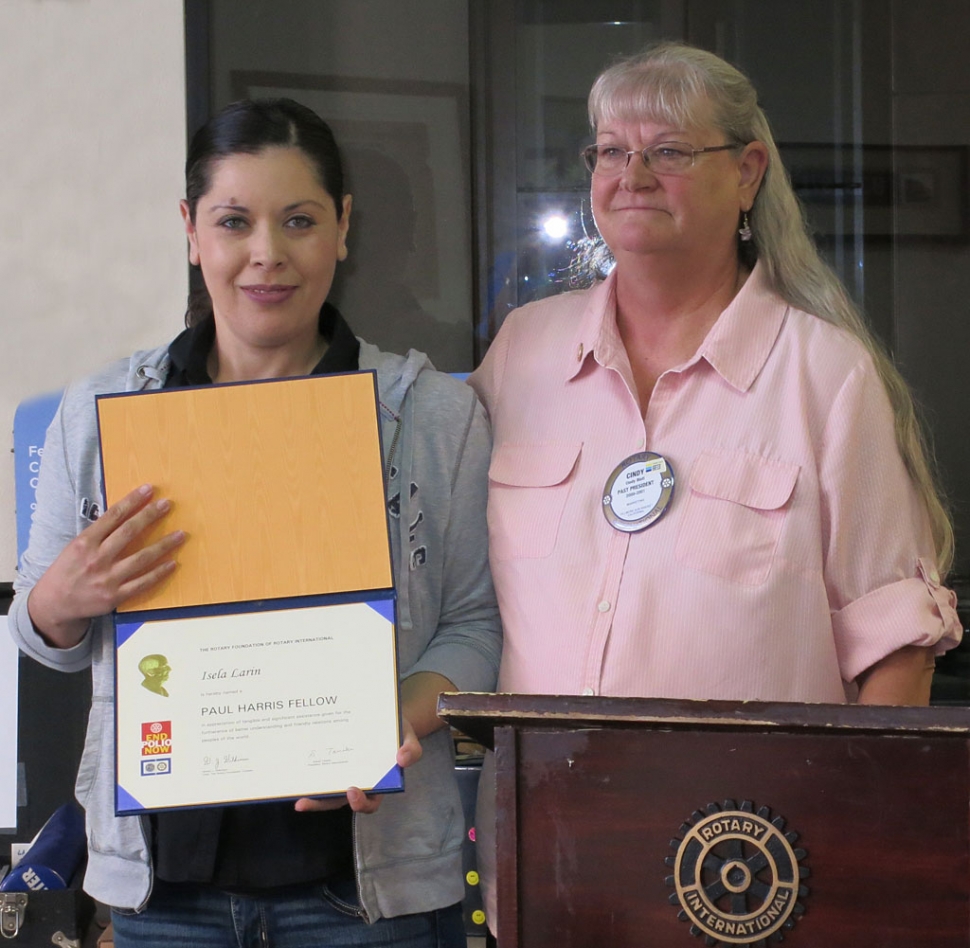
638,492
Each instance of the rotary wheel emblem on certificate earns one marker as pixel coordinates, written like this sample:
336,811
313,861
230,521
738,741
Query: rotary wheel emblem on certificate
737,876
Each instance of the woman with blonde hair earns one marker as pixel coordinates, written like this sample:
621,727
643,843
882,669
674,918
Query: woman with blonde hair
707,478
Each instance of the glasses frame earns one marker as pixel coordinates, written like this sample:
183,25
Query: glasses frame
592,150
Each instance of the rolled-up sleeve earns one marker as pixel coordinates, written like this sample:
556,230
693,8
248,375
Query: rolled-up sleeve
881,576
914,611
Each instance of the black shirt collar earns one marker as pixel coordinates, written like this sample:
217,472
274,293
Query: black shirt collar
189,351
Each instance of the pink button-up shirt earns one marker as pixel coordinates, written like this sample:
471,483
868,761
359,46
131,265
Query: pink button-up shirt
795,552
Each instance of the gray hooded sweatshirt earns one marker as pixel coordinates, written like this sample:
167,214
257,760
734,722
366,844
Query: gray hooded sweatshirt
437,446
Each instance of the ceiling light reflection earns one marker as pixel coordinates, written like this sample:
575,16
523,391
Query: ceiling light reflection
555,227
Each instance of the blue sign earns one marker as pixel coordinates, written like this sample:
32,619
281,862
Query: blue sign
29,430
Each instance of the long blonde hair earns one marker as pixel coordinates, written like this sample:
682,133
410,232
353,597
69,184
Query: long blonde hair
672,82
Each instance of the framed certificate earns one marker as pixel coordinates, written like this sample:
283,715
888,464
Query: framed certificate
266,666
259,705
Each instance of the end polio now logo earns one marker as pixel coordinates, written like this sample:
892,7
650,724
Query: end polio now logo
156,744
156,738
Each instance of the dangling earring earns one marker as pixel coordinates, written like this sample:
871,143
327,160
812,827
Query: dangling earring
744,231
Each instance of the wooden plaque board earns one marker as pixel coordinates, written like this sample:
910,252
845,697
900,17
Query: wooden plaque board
279,486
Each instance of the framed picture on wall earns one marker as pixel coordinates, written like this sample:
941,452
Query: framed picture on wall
407,282
900,192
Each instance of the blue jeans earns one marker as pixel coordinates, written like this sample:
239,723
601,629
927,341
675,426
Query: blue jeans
187,916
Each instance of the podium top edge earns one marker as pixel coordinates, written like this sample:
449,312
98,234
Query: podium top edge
477,714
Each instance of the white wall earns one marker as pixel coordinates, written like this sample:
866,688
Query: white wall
92,146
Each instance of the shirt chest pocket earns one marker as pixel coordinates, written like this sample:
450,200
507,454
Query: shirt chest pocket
734,515
528,485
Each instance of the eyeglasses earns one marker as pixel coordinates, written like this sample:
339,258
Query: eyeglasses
663,158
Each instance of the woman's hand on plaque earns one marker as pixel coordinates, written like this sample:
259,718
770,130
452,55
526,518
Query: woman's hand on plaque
102,567
408,753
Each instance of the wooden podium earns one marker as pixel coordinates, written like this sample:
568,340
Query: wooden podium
637,822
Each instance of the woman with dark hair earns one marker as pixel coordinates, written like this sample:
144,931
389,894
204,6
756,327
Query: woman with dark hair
267,219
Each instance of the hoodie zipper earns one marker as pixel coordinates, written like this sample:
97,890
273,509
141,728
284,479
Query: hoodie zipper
393,447
360,902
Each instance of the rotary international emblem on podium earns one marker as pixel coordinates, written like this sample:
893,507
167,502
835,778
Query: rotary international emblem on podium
737,876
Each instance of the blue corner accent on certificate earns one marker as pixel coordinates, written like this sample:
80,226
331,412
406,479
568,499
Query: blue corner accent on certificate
124,631
392,780
125,802
383,607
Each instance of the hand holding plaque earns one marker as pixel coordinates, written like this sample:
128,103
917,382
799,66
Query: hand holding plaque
97,572
408,754
265,667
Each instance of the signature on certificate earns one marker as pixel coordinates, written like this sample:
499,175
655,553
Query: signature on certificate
224,763
322,756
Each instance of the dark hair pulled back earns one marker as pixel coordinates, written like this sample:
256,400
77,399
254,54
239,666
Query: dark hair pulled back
248,127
